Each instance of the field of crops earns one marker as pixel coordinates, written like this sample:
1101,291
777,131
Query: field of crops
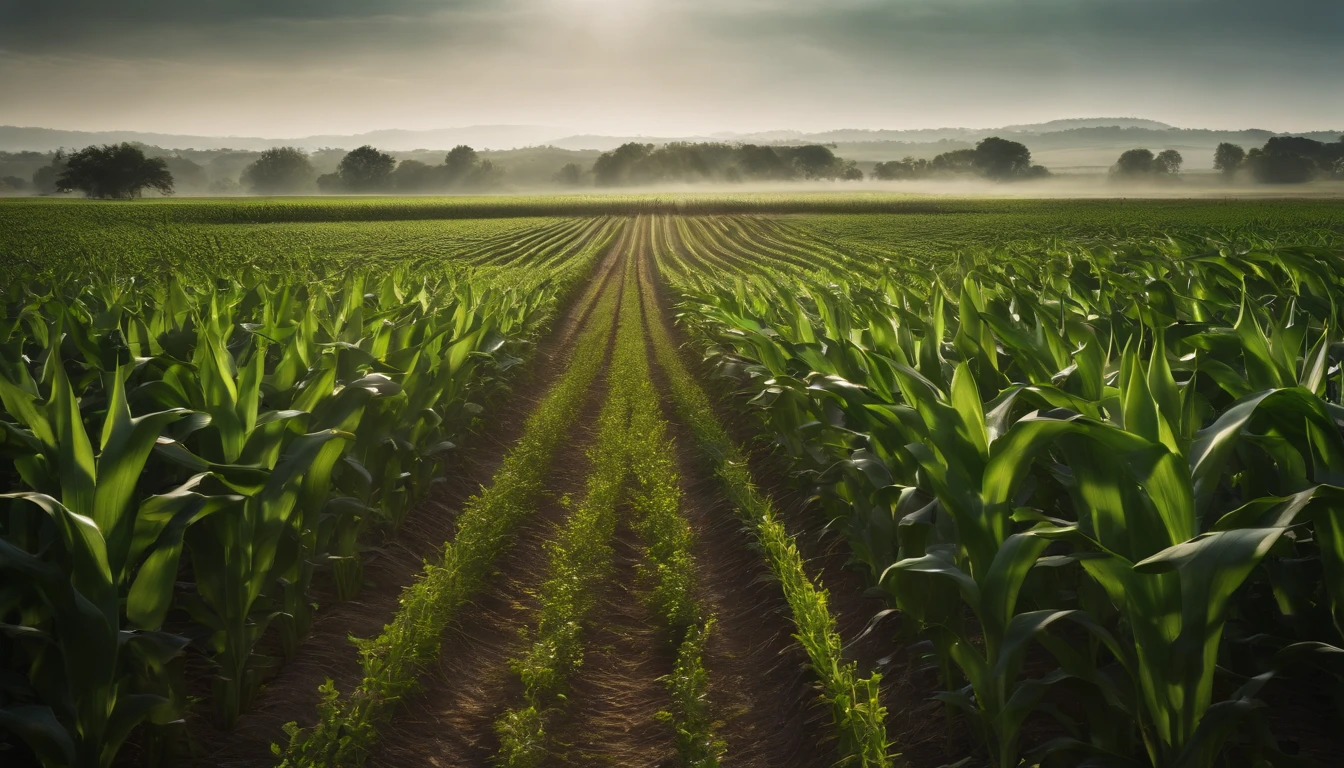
697,480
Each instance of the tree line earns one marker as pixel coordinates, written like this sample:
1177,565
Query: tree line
993,158
124,171
636,164
121,171
1282,160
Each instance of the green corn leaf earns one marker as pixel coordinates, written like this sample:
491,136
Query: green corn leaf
42,732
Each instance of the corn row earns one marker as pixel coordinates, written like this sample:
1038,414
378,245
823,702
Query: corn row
854,701
579,563
393,661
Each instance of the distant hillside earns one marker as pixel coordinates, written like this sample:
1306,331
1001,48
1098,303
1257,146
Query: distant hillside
1056,134
17,139
1087,122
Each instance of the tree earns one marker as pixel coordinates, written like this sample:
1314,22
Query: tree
814,161
1280,167
1228,158
1001,159
1134,162
413,176
366,170
956,161
459,163
903,169
117,171
44,178
486,175
280,171
757,162
11,184
1168,161
568,175
622,164
849,171
330,184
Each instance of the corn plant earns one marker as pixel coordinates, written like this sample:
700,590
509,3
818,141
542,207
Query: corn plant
1149,489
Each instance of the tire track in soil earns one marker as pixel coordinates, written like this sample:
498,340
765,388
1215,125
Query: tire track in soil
451,723
326,652
915,722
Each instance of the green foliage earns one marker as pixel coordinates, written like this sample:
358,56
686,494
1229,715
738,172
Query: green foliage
858,716
279,171
1087,449
239,433
348,726
118,171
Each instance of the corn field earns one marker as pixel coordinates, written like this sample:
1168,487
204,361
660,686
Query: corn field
1106,474
1077,487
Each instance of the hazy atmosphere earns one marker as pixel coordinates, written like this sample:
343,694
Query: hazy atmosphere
625,67
675,383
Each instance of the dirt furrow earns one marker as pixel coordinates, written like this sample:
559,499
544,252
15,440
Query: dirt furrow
915,722
612,712
326,652
758,680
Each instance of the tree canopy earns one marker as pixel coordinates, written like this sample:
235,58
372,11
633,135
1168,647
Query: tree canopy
366,170
280,171
635,163
1228,158
1295,159
116,171
993,158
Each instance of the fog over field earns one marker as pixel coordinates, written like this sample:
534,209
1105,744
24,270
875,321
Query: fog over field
541,89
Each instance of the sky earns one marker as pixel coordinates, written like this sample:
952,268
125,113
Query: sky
288,68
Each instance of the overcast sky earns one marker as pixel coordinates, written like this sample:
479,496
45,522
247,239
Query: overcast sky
281,68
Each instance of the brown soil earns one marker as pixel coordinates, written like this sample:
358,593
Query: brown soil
326,652
916,724
761,688
452,722
611,716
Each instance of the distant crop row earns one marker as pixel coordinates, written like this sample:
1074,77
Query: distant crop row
1123,462
183,457
141,236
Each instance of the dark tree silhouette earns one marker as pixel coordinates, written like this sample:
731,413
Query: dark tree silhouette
1228,158
1168,161
1295,159
117,171
460,162
814,161
280,171
569,175
901,170
413,176
1134,162
756,162
366,170
997,158
621,165
956,161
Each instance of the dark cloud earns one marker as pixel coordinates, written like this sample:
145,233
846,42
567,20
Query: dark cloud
660,66
65,12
